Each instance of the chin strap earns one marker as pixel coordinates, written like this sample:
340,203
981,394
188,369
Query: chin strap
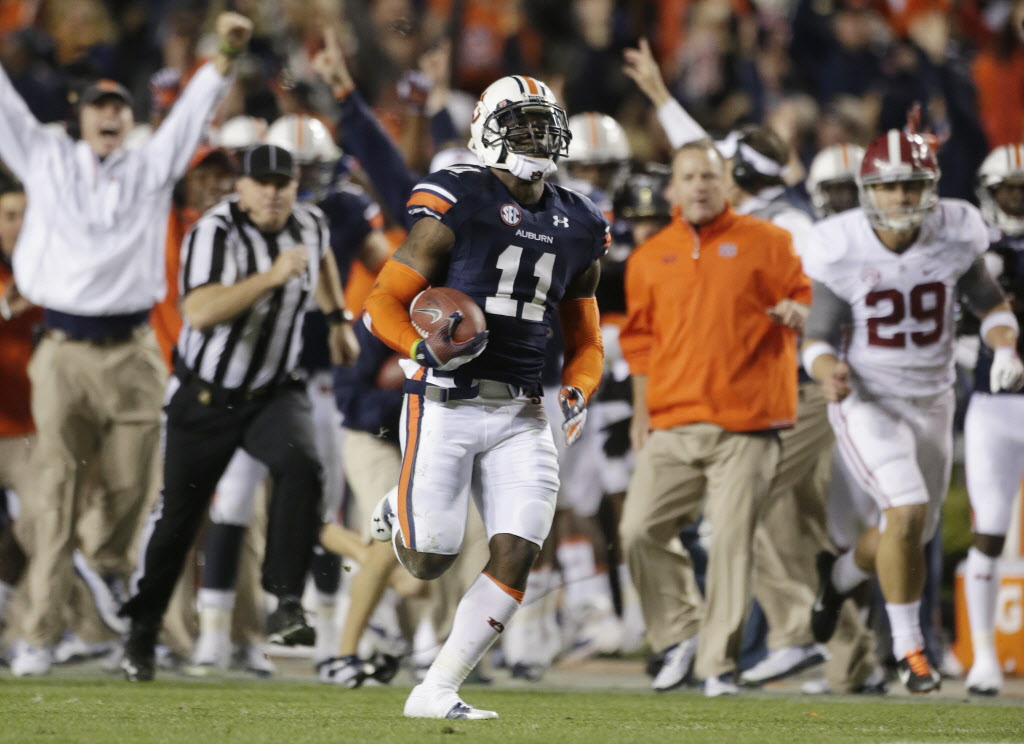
530,169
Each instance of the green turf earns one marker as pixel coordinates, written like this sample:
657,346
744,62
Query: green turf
168,711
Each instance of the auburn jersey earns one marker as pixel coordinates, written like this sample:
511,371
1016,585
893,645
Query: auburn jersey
515,260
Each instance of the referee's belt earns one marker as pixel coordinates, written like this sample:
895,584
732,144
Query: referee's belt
478,389
212,394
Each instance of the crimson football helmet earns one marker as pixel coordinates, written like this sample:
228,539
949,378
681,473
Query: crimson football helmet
897,157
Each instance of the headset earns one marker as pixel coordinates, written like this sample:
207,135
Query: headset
752,170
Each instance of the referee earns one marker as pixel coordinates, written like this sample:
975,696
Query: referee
249,266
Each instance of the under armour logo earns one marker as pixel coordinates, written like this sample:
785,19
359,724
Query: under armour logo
560,221
500,627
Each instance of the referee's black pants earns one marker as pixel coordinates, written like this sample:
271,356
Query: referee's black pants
199,441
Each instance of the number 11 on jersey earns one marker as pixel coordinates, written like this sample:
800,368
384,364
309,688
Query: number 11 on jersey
503,303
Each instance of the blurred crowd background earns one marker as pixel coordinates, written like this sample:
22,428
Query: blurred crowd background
817,71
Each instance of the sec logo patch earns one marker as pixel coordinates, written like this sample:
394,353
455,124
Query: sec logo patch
511,214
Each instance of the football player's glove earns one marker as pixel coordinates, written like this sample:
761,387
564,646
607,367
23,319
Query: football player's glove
574,412
438,351
1007,371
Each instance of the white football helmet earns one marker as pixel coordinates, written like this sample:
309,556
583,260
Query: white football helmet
239,133
597,139
599,152
833,169
518,126
305,137
1004,164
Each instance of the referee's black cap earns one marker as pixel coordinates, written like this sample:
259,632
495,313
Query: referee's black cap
267,160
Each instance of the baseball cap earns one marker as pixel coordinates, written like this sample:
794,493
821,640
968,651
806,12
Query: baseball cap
267,160
103,89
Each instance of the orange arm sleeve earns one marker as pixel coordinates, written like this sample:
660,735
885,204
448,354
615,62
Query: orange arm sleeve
388,305
584,350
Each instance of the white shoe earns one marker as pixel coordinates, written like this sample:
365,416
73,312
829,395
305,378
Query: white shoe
31,661
816,686
720,686
782,662
212,653
382,519
108,592
678,661
73,648
433,702
252,659
985,677
346,671
600,632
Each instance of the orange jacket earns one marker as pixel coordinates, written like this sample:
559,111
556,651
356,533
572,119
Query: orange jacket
165,316
698,328
15,352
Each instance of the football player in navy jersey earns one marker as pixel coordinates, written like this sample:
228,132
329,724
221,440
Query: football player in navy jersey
519,247
993,437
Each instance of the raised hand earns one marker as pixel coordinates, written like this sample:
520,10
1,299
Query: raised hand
329,64
643,69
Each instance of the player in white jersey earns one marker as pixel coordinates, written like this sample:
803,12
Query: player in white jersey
891,271
993,435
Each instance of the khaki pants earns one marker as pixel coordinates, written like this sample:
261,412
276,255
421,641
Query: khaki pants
15,475
371,467
791,533
89,403
680,473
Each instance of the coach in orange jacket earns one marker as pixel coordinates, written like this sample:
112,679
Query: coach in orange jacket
714,303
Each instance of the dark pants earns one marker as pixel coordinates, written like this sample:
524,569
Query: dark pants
200,440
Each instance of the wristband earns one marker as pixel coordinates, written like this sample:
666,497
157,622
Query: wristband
229,51
338,316
1000,318
814,350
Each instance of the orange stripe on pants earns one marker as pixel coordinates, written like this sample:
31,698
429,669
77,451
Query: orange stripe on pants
412,440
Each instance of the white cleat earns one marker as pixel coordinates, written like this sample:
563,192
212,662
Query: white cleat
721,686
783,662
382,519
212,654
985,677
678,661
31,661
433,702
253,660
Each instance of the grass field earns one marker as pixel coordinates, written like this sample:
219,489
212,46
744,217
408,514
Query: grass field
62,710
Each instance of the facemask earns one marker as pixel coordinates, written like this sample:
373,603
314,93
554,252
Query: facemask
530,169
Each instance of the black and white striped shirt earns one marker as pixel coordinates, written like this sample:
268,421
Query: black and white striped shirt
260,346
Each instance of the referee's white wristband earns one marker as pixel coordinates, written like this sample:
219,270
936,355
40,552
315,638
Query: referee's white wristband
814,350
1001,318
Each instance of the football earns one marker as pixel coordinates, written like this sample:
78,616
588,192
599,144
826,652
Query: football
432,307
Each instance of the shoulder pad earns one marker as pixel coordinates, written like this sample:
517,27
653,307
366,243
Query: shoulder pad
435,194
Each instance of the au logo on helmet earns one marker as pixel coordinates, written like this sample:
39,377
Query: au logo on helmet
511,214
